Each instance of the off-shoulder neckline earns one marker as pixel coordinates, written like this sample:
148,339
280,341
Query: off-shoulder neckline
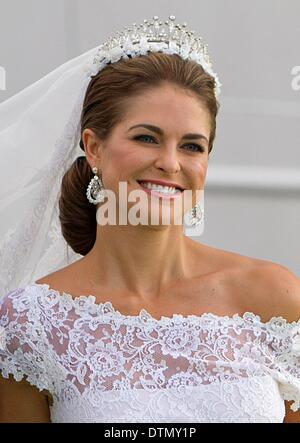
107,307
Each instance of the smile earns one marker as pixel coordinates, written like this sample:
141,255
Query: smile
158,190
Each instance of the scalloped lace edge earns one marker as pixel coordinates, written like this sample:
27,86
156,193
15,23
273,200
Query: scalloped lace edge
108,308
20,376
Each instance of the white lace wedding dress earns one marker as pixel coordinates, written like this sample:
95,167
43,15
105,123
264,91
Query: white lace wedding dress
102,366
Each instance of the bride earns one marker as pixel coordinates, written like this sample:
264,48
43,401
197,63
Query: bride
212,321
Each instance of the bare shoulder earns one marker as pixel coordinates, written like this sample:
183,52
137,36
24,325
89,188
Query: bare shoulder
260,286
63,279
53,280
275,290
270,290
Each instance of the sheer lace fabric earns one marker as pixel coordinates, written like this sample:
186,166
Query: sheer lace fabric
102,366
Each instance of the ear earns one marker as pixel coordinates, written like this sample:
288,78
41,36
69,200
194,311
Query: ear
92,147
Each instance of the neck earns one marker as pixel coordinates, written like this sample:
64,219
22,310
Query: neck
139,259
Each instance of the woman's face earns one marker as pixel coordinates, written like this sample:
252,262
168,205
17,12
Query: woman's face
142,153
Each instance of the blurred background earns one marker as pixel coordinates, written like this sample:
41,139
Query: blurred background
252,194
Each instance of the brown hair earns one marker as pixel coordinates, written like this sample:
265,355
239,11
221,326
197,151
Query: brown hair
104,107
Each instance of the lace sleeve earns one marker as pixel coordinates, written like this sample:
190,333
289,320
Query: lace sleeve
23,350
288,367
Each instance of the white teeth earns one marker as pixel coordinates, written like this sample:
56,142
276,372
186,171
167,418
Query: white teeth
159,188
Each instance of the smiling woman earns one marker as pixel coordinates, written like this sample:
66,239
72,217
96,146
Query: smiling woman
146,325
113,114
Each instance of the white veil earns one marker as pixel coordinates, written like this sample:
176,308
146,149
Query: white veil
39,140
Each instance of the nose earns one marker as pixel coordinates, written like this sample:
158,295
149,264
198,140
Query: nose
167,160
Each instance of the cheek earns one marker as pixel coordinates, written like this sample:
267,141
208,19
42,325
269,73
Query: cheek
203,170
116,159
132,161
122,164
198,170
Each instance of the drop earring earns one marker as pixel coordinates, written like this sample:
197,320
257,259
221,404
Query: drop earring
96,192
195,215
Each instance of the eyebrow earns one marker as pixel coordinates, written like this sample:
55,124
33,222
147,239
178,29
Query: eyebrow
161,132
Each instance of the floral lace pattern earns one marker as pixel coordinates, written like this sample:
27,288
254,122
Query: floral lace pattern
102,366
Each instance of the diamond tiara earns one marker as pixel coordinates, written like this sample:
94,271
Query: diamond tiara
156,36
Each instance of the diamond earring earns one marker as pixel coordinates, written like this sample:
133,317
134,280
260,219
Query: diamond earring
96,192
195,215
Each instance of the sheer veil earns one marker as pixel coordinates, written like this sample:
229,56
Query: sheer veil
39,140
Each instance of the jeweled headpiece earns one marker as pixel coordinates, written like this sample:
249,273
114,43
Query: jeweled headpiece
155,36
